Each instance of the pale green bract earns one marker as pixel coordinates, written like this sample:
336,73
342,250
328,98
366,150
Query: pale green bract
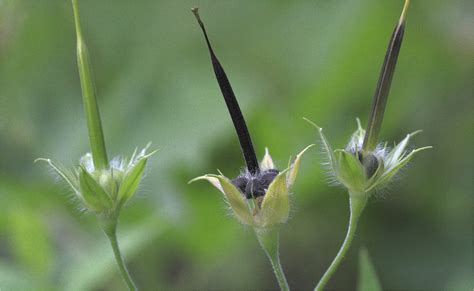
274,209
362,172
104,191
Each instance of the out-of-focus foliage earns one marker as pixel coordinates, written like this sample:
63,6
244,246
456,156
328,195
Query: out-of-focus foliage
367,279
286,60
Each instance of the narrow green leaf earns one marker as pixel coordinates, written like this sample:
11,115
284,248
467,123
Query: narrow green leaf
91,109
368,280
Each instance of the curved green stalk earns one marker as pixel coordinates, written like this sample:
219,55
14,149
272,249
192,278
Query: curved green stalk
111,232
269,241
357,204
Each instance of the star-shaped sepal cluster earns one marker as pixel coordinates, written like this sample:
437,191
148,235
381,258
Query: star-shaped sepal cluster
260,200
362,172
104,191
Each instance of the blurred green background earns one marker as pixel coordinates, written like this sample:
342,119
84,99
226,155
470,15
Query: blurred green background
286,60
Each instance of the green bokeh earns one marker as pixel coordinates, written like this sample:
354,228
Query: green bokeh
286,60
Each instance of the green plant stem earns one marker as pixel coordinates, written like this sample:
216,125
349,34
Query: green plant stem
112,236
109,226
91,108
269,241
357,204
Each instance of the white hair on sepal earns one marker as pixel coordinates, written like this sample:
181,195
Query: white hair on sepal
118,163
88,162
329,172
142,192
65,189
293,207
381,150
382,192
357,139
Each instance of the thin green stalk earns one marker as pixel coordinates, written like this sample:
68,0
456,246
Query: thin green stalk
269,241
357,204
112,236
91,109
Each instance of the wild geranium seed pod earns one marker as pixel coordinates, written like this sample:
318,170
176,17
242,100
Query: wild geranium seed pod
101,186
259,196
265,210
366,165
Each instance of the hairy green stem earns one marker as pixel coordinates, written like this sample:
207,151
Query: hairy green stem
91,109
357,204
110,228
269,241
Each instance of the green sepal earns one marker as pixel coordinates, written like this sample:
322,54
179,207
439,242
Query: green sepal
275,207
94,196
232,196
131,181
326,146
293,169
398,151
350,171
386,176
380,170
64,173
267,162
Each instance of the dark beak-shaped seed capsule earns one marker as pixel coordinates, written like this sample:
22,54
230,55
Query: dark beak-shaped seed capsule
232,105
383,85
